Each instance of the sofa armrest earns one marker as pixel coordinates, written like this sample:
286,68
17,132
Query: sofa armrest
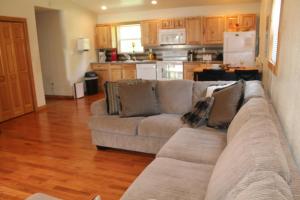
99,107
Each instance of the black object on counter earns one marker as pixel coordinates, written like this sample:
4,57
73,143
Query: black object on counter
91,83
222,75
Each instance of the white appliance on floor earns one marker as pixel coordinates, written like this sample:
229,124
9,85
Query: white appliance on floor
169,70
239,48
146,71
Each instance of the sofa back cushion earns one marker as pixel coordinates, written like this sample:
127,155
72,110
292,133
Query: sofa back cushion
264,185
226,104
252,89
175,97
255,107
255,148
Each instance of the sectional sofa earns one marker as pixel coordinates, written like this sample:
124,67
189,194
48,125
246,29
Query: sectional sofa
250,160
149,134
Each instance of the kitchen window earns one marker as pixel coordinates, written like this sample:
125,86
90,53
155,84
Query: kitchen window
129,38
274,34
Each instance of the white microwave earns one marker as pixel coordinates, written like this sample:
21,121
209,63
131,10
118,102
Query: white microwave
172,36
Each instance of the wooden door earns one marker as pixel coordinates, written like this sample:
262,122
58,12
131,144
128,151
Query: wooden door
22,66
129,71
103,37
149,31
10,63
194,31
214,28
248,22
6,108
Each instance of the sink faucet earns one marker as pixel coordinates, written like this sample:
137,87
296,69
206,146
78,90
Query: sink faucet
127,56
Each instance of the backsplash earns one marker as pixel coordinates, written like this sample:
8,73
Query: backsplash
215,50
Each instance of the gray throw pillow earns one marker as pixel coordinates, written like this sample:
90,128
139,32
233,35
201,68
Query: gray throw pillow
226,104
138,100
199,115
112,94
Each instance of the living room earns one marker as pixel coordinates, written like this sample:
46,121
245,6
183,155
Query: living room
227,129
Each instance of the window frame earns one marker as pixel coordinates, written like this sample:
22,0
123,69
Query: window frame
273,66
119,38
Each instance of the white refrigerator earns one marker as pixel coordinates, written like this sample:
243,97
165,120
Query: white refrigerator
239,48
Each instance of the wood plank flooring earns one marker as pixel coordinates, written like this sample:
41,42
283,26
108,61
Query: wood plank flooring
51,152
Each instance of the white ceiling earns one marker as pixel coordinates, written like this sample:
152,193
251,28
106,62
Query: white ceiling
116,6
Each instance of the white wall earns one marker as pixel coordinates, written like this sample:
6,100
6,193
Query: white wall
180,12
51,45
78,22
284,88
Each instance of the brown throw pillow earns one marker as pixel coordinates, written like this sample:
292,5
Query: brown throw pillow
198,116
137,100
226,104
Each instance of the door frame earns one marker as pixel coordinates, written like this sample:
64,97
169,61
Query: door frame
28,55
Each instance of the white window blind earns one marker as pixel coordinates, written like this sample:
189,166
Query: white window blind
274,31
129,38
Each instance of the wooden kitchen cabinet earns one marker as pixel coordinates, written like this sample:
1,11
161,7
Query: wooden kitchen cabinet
248,21
244,22
102,70
115,72
149,30
105,36
189,68
214,28
128,71
194,30
179,23
172,23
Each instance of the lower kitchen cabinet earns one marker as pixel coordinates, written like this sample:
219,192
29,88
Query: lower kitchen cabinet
128,71
113,72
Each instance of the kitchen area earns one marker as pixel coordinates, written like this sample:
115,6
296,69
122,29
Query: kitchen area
179,48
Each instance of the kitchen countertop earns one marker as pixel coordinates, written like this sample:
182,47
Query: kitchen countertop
154,61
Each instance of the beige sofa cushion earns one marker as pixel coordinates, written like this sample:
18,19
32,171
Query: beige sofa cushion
163,125
255,148
114,124
252,89
255,107
203,145
167,178
263,185
175,97
137,100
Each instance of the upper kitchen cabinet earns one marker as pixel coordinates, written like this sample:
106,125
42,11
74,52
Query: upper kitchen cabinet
244,22
149,31
172,23
194,30
214,28
248,21
105,36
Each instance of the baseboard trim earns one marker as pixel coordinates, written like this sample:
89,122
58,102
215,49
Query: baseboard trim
39,108
58,97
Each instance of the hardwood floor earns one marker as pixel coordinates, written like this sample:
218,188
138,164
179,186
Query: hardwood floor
51,152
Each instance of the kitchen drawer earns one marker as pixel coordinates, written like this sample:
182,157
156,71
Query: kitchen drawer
100,66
